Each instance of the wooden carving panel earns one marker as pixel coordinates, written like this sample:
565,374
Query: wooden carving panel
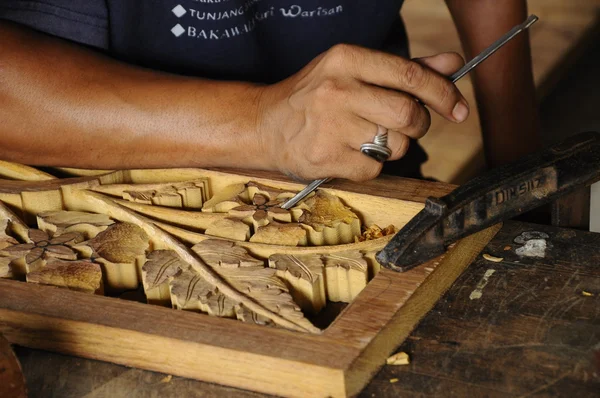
218,244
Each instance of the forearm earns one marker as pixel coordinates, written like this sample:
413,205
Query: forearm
64,105
504,85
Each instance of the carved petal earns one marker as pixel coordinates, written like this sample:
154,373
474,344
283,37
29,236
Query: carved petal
259,199
34,255
260,215
67,238
37,235
244,210
18,250
59,251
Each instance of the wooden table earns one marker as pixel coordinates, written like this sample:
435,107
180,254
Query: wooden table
522,326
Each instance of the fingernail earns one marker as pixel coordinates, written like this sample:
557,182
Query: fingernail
460,111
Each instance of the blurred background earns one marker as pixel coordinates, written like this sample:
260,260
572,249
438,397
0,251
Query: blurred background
566,60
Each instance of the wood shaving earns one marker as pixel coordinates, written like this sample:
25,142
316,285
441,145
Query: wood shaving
587,294
400,358
492,258
394,380
506,248
166,379
375,232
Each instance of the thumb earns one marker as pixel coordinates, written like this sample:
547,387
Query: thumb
444,63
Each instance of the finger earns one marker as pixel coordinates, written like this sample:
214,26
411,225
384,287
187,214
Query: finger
390,71
361,131
398,143
391,109
357,167
445,63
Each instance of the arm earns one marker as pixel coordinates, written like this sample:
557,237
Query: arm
504,85
64,105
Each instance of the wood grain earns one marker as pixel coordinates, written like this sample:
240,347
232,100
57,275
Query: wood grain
270,360
532,332
12,382
338,361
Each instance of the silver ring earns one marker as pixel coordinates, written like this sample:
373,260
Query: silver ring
378,149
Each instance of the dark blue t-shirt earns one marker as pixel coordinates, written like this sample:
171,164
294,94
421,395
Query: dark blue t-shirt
252,40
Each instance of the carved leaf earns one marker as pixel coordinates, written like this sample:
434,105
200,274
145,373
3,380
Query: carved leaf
274,233
207,274
84,276
326,210
346,275
5,239
6,270
248,275
305,276
120,243
230,197
229,228
160,267
59,222
190,292
329,221
225,254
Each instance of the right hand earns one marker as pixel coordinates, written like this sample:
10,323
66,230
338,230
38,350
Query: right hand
312,124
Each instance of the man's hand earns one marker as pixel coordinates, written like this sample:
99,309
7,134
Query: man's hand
313,124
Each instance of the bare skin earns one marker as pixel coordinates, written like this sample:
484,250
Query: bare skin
64,105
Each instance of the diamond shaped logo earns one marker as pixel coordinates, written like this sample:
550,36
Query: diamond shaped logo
179,11
177,30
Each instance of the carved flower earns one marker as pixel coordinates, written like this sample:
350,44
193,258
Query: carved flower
42,247
262,210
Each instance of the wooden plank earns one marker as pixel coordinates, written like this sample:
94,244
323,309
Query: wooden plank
564,28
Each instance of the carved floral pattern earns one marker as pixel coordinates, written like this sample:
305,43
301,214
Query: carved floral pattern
262,210
43,247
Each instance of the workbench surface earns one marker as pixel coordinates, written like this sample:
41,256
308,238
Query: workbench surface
522,326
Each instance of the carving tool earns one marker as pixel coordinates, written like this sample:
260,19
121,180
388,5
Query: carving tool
499,195
378,149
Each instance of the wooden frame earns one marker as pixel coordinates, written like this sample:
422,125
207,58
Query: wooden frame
337,362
